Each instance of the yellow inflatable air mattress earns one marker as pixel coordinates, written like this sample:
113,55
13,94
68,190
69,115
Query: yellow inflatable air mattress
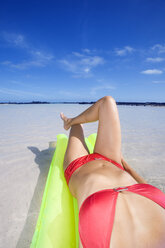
57,224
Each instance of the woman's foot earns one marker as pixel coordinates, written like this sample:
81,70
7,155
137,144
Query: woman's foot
67,121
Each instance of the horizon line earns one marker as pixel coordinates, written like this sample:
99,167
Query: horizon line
86,102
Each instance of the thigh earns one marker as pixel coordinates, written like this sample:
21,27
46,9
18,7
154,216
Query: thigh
76,145
108,141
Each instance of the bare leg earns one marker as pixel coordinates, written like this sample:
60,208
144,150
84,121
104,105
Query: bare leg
76,145
89,115
108,142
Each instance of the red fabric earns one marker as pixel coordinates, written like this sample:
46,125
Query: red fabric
96,215
75,164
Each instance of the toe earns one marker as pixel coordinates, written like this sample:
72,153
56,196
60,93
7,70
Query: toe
62,115
64,118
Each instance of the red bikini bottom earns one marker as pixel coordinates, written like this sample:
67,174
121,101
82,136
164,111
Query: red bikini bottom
96,215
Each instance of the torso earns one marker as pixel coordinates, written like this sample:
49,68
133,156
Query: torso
137,217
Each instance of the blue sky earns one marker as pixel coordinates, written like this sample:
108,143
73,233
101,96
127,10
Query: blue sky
82,50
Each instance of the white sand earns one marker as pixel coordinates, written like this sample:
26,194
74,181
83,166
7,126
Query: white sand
25,134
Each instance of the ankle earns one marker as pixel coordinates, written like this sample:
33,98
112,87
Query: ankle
72,121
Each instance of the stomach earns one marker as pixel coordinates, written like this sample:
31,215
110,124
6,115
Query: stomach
97,175
139,220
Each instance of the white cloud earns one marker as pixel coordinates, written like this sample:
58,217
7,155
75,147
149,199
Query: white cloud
87,70
38,57
78,54
70,66
159,48
100,88
18,83
14,39
86,50
81,65
67,93
152,71
15,82
83,74
19,92
126,50
100,80
92,61
41,55
157,59
6,62
26,64
158,82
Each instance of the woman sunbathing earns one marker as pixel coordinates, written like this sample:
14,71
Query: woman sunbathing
117,207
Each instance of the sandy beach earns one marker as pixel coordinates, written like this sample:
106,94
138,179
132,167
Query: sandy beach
28,136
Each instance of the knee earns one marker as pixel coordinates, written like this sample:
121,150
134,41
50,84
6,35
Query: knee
109,99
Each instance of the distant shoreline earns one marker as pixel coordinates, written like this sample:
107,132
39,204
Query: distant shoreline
118,103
